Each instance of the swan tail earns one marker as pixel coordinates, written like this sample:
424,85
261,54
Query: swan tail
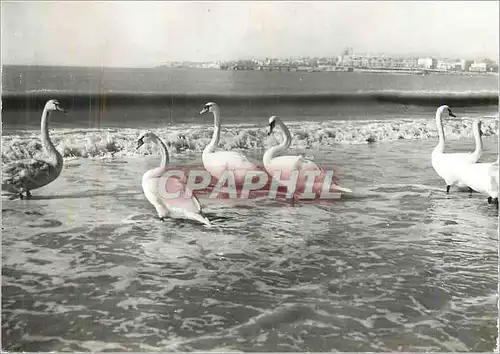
201,218
342,189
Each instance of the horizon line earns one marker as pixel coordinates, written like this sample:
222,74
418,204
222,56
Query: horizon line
162,65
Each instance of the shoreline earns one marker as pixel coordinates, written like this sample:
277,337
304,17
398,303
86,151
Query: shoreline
345,70
426,72
416,71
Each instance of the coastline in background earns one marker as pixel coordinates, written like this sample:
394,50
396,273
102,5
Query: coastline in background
110,97
109,106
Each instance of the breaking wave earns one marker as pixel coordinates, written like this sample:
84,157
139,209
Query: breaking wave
13,100
96,143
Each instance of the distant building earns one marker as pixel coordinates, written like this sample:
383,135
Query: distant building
409,63
427,63
345,60
445,65
478,67
484,66
465,64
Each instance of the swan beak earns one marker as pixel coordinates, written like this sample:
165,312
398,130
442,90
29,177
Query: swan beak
452,115
61,109
204,110
139,144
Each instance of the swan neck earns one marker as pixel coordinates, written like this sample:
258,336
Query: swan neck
478,140
50,149
439,123
287,137
216,135
285,144
164,153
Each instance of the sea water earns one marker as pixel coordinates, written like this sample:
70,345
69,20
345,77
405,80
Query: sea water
397,265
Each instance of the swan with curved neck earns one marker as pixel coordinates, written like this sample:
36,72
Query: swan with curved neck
288,163
274,151
448,165
24,176
481,177
155,188
216,162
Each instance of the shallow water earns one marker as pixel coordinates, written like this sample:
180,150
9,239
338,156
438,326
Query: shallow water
398,265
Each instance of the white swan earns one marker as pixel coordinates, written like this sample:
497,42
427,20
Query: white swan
216,162
289,163
181,207
481,177
23,176
444,164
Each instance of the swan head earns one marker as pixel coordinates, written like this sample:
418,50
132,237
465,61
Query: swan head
272,124
53,105
445,111
209,107
147,136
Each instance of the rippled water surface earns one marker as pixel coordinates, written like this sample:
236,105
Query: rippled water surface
398,265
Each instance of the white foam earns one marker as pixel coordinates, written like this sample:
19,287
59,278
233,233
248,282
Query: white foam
97,143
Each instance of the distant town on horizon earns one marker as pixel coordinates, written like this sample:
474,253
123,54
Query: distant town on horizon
349,61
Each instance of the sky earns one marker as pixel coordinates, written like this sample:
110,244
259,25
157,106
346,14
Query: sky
142,34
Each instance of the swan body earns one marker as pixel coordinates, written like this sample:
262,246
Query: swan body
26,175
216,162
448,165
181,207
482,178
285,165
